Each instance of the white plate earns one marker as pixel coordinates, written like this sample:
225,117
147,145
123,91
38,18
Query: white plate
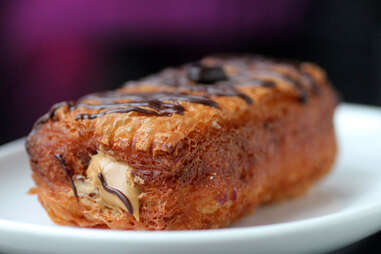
343,208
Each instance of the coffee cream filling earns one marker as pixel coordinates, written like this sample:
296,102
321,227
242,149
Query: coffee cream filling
117,175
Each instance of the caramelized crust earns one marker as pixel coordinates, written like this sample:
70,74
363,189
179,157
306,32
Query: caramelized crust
268,137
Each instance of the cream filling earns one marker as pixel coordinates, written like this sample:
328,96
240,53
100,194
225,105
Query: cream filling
117,175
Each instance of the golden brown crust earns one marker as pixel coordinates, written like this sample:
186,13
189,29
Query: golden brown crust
205,168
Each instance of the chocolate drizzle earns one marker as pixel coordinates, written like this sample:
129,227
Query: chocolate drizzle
116,192
262,64
212,76
315,88
206,74
226,90
209,78
145,103
50,115
221,89
63,164
209,81
303,93
41,172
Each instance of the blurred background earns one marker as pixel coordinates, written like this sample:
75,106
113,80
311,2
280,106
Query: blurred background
60,50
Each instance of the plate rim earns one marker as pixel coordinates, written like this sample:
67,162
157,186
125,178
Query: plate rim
189,236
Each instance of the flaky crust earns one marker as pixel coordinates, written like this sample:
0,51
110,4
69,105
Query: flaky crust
201,169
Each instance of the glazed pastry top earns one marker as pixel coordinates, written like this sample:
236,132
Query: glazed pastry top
156,112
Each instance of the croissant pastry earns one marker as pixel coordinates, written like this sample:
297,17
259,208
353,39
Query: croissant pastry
194,147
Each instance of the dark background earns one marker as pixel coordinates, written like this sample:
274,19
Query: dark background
53,51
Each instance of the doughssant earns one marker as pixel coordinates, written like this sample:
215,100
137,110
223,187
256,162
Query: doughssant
194,147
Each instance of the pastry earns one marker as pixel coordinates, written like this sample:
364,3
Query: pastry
194,147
